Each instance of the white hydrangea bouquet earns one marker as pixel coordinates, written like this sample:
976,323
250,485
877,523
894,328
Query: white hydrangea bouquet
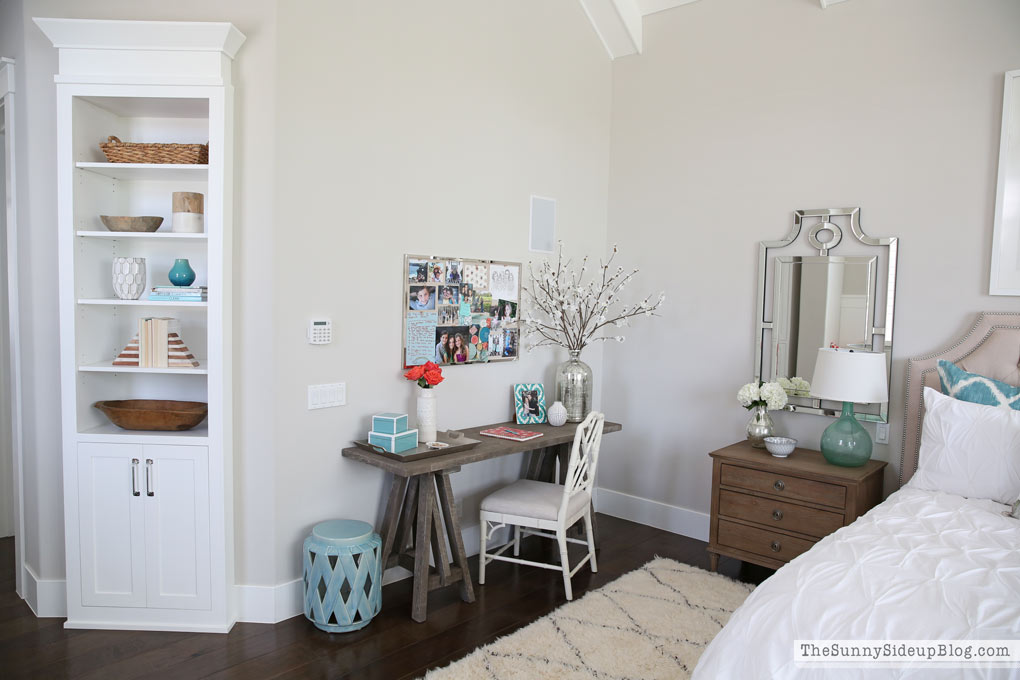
795,386
769,395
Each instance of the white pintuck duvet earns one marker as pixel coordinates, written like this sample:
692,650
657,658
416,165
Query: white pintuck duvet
921,565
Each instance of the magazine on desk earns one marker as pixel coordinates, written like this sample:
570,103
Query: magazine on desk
511,433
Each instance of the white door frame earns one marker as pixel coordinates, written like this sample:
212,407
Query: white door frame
7,96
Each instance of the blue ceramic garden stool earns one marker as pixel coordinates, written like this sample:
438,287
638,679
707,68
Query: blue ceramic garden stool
343,575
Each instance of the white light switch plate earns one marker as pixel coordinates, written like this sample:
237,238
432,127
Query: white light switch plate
881,433
327,396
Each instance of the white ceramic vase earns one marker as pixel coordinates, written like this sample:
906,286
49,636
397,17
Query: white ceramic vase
128,277
557,414
426,415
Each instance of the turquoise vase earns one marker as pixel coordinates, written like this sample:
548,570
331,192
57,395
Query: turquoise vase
181,274
846,442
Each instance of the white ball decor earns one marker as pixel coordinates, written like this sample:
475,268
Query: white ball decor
557,414
128,277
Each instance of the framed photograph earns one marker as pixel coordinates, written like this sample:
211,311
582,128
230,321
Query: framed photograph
422,298
460,311
529,403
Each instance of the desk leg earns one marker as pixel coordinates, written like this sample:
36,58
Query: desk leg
390,517
440,556
422,536
467,589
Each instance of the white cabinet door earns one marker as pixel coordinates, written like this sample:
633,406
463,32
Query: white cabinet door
177,559
111,525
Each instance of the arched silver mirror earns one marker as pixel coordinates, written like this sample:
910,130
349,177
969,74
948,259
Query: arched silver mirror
809,298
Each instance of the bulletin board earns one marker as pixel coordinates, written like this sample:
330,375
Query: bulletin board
460,311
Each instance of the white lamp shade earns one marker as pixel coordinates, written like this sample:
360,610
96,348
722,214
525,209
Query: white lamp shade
842,375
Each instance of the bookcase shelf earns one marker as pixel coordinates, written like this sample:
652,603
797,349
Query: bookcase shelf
147,171
111,433
139,303
159,235
107,366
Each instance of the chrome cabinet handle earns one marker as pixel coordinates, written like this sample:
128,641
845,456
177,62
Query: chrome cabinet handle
777,515
148,478
776,547
779,485
134,477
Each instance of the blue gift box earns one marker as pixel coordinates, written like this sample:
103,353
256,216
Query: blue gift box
394,443
389,423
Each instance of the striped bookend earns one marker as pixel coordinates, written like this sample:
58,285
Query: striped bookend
156,334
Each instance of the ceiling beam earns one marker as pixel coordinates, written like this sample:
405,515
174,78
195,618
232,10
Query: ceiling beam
617,23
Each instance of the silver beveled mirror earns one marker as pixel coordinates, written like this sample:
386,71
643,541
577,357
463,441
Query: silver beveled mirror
822,300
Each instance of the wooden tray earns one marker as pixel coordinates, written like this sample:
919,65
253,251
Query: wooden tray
459,444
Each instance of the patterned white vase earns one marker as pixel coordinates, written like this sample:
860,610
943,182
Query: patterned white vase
426,415
557,414
128,277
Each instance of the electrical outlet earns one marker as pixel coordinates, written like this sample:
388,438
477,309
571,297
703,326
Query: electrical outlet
881,433
327,396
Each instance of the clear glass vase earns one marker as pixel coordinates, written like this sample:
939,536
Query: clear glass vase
574,387
760,426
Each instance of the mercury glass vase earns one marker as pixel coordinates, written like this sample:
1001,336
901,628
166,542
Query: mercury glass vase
574,387
760,426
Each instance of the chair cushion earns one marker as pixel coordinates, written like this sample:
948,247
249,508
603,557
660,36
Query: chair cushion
529,498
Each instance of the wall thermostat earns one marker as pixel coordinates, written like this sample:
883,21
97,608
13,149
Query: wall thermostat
320,332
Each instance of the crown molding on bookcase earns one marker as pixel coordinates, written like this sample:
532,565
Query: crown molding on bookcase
142,52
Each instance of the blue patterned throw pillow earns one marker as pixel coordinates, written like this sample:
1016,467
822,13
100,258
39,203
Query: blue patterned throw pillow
977,389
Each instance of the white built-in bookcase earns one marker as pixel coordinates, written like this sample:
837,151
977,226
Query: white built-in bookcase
148,515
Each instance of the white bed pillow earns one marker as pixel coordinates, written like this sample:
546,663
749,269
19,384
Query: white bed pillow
969,450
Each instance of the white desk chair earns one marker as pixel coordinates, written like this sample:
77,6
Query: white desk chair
531,506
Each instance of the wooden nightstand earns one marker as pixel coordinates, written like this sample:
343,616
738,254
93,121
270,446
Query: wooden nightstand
768,510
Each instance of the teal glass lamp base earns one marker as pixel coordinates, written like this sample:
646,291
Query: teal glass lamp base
846,442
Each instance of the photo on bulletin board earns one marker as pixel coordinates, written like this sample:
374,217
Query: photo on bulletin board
529,403
460,311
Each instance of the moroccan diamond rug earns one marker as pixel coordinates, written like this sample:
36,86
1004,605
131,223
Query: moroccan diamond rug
651,623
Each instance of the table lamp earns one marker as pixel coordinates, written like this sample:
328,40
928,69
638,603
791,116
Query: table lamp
850,377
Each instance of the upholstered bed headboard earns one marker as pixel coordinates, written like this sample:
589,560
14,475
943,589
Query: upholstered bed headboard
990,348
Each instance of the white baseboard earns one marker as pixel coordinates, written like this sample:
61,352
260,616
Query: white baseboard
272,604
671,518
46,597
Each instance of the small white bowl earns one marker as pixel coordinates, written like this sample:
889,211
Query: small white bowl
780,447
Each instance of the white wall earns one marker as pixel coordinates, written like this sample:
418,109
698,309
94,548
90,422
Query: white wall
415,128
740,112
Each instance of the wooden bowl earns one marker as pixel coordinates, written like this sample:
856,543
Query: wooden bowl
154,414
119,223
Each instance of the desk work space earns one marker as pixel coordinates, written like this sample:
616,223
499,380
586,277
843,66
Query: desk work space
420,510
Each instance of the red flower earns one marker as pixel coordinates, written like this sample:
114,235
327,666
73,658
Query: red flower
429,366
434,377
415,373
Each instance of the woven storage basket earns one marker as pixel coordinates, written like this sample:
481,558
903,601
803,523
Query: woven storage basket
125,152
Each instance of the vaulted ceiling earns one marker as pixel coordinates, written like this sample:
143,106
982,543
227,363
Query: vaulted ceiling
618,22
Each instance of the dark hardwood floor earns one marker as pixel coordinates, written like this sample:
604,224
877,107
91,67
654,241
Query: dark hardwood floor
391,647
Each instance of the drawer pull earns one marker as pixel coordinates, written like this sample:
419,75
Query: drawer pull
777,515
776,547
779,485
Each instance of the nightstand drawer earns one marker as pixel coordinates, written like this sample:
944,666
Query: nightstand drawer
769,544
778,484
778,514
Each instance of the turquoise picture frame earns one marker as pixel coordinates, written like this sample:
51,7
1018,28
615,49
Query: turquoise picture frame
529,403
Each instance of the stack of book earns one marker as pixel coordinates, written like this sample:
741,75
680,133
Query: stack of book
157,345
180,293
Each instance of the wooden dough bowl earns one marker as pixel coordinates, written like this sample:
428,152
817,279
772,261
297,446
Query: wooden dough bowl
123,223
154,414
